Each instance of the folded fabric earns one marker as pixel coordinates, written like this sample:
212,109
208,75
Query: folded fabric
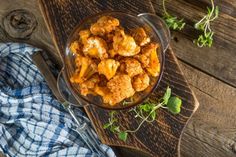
32,121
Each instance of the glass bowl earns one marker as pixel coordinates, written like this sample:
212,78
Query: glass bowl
154,26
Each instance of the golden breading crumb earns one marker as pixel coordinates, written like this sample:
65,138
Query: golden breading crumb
121,87
104,25
95,47
75,47
141,82
140,36
88,86
108,67
132,66
124,44
84,35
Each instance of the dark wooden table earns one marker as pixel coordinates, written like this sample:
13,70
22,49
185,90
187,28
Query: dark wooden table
211,72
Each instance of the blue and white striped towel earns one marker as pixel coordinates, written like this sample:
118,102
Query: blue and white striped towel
32,122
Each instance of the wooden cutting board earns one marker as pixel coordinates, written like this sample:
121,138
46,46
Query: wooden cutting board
160,138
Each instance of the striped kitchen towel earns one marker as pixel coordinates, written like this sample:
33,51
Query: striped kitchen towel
32,121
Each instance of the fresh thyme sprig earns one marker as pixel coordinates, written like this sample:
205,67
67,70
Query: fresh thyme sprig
204,25
146,112
172,21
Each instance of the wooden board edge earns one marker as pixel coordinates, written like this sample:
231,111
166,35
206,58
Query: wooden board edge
111,144
49,30
196,102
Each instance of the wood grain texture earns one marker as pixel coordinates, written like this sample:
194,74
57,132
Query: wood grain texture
212,129
219,60
40,36
2,155
162,137
204,136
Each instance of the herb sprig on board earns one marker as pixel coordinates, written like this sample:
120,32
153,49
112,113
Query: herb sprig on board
172,21
146,112
204,25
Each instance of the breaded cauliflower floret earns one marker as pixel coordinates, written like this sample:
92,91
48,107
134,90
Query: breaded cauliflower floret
154,65
121,87
95,47
140,36
88,86
145,56
108,67
84,35
102,91
87,69
112,53
132,66
107,96
76,47
104,25
124,44
141,82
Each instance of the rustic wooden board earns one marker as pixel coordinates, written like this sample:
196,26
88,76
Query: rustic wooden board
219,60
160,138
38,37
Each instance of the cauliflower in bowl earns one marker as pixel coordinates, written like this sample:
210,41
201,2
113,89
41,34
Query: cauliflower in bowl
112,63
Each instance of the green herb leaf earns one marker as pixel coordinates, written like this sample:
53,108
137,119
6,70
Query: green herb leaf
166,95
173,22
123,135
153,115
205,39
115,129
146,107
107,125
204,25
112,113
208,10
216,12
174,105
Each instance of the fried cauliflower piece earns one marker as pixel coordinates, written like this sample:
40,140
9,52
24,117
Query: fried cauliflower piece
87,68
121,87
84,35
108,67
106,95
95,47
104,25
140,36
112,53
102,91
124,45
154,64
75,47
131,66
149,59
141,82
87,87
